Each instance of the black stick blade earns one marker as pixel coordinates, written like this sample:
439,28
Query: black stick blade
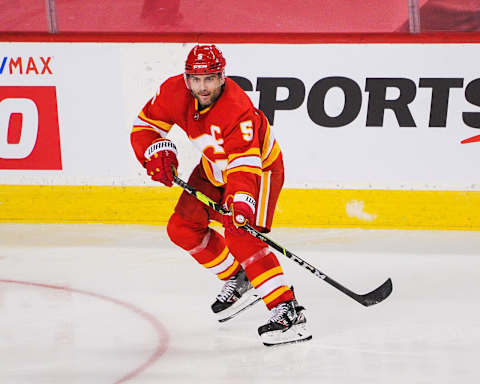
378,295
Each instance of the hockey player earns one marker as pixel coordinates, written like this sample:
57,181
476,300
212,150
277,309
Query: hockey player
241,167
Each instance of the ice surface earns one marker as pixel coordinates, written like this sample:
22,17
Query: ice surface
111,304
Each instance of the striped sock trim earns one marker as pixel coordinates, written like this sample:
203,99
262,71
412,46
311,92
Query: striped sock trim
266,275
270,285
275,294
219,259
223,266
230,271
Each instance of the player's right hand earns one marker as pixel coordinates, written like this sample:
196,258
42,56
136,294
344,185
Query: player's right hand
161,161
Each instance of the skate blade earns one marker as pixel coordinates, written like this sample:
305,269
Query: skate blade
245,302
295,334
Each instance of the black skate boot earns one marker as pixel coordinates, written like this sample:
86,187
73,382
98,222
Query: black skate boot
287,324
237,294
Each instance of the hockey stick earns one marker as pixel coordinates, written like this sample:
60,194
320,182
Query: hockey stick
371,298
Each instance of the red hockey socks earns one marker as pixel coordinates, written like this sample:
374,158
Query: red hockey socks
262,269
205,245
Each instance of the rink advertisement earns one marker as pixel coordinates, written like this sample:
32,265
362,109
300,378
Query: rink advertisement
373,135
29,132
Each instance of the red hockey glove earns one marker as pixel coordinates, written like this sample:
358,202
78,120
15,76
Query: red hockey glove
242,207
162,161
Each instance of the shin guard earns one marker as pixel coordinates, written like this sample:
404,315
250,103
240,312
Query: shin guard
262,268
205,245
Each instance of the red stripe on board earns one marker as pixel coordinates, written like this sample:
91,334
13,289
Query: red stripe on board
163,337
243,38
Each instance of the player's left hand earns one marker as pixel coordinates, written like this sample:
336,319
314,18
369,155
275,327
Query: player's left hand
242,207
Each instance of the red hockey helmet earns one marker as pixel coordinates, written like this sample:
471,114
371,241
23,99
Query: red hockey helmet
203,60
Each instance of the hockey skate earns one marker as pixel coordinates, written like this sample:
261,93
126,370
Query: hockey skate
287,324
237,294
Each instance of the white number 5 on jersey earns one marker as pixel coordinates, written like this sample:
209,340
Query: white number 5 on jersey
247,130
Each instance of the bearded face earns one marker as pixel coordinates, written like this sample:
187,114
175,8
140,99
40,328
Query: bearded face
206,88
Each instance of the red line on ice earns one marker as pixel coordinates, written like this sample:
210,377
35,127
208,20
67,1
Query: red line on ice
163,338
474,139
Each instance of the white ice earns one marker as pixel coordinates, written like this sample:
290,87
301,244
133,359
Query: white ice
112,304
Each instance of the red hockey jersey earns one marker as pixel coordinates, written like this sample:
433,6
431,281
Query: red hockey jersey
234,137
